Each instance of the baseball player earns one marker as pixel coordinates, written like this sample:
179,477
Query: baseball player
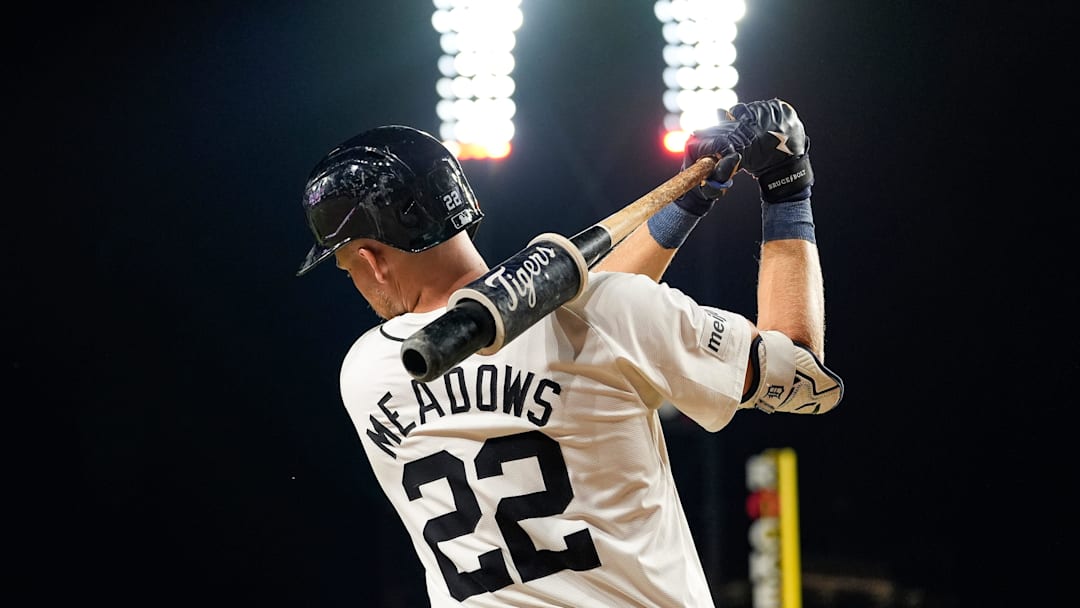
538,475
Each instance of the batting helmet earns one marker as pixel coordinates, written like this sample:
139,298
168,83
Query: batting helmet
395,184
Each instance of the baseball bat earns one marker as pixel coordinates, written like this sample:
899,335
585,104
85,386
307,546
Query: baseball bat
552,270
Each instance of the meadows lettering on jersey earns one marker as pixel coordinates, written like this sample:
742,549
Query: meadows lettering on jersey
514,394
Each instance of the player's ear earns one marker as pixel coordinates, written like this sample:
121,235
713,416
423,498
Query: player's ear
374,257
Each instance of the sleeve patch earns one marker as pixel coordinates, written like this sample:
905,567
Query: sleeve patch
715,337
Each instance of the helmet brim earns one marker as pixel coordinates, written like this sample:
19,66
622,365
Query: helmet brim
317,254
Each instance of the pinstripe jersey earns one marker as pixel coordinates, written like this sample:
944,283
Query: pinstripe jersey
539,475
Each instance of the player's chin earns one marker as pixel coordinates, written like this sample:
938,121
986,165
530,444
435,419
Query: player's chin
385,306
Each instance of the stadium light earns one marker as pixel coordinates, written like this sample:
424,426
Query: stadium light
699,57
476,106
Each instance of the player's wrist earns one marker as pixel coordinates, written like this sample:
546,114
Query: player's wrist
788,220
695,203
671,225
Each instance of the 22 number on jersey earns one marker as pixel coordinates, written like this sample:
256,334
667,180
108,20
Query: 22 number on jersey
531,563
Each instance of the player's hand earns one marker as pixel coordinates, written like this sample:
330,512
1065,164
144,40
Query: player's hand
700,199
775,148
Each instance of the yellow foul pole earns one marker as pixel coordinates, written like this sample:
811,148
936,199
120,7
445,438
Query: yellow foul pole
790,565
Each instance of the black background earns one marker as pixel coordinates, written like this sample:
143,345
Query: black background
174,422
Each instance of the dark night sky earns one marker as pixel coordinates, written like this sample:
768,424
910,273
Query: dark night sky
187,440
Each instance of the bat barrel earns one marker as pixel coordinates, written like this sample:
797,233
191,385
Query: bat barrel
500,305
438,346
593,243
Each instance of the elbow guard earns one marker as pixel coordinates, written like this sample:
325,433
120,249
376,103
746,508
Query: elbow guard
789,378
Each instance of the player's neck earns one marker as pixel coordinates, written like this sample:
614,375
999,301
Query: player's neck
441,273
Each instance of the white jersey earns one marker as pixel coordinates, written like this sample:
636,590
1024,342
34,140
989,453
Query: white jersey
538,475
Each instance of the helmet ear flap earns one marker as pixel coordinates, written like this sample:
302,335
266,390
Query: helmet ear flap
450,189
441,177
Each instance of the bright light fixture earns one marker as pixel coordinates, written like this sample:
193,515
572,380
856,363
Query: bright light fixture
699,55
476,106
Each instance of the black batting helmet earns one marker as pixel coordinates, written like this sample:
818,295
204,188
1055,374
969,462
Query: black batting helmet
395,184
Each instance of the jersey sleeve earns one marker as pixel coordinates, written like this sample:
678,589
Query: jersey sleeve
664,342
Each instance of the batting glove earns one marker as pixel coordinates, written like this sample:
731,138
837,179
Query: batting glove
701,198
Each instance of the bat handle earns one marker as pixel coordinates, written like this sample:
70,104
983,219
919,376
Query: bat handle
623,222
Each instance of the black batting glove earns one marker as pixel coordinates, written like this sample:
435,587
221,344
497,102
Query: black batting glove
775,148
701,198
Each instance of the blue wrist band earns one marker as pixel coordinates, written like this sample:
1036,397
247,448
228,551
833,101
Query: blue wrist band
791,220
671,225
